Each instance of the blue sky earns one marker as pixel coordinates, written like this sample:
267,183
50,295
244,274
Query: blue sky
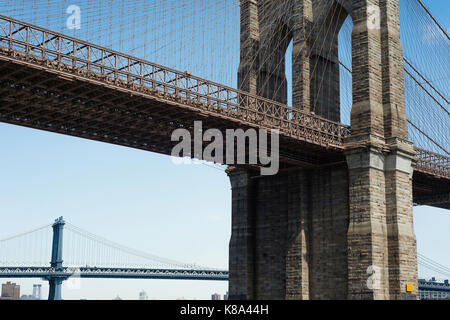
136,198
144,201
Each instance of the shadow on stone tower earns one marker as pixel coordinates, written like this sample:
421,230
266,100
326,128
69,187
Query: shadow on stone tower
340,231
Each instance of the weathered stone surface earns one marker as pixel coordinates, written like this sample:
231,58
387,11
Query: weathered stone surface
297,238
337,232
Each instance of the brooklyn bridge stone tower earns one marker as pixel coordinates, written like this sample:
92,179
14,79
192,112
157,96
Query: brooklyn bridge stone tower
342,231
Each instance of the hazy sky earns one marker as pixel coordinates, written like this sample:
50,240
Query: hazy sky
144,201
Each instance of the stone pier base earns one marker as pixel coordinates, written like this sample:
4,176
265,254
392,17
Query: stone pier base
342,232
289,234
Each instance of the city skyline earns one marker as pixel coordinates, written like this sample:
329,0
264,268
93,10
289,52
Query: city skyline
141,295
439,291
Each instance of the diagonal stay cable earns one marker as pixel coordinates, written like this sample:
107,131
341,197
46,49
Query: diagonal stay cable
434,19
428,260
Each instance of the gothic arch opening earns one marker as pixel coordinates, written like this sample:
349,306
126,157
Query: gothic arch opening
288,71
325,66
345,70
272,76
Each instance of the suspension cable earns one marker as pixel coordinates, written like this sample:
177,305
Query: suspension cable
428,82
434,19
427,136
25,233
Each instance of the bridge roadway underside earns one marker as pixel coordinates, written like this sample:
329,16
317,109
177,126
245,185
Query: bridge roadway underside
45,99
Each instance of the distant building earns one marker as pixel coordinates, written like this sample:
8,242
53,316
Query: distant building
10,291
225,296
215,296
143,295
37,291
433,290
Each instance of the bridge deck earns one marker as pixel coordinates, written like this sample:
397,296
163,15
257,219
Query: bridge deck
112,273
56,83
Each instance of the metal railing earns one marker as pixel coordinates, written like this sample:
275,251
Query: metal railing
69,54
66,53
123,273
433,163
